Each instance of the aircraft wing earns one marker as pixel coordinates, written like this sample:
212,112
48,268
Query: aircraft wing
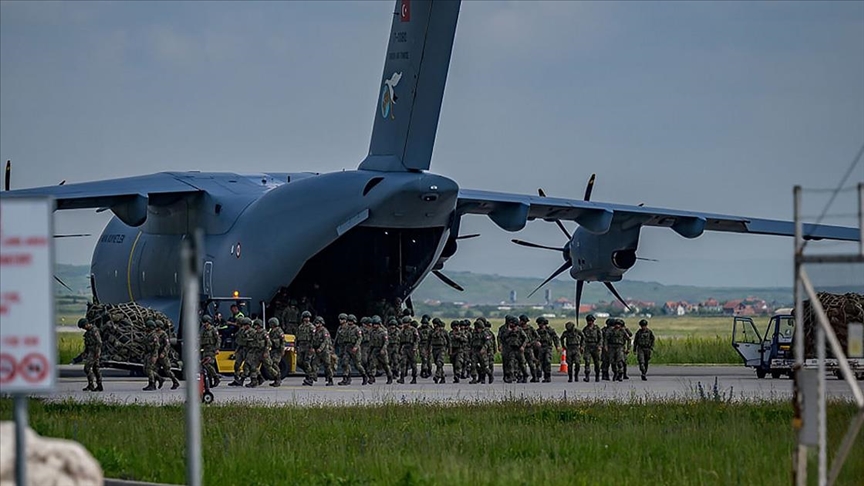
153,188
512,211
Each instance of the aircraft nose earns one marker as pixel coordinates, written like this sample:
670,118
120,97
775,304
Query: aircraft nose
433,188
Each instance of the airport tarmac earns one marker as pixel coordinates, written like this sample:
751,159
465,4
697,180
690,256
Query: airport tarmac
664,383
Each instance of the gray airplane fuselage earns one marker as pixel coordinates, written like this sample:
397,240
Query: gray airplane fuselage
342,239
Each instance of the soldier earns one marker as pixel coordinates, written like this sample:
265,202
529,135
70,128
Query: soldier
425,331
322,346
547,337
593,347
290,318
479,349
393,349
151,356
210,343
366,325
517,341
644,345
439,343
468,368
277,349
491,348
351,339
379,340
616,339
303,342
111,334
573,341
241,341
257,348
92,355
164,362
605,359
532,348
456,342
502,345
409,339
627,346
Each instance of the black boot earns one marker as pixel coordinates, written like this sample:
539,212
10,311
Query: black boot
308,382
587,378
89,387
365,380
175,385
150,386
596,377
99,387
491,378
161,381
644,378
413,380
329,382
390,380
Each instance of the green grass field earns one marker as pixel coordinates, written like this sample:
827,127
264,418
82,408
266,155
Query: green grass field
69,345
512,442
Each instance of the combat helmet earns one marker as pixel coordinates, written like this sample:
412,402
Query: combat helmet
352,318
365,320
376,319
343,317
149,324
523,318
206,318
590,318
454,324
306,314
82,323
643,322
437,322
570,325
542,321
257,323
159,324
406,320
425,319
272,322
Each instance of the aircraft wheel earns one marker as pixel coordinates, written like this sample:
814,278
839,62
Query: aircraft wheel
207,397
760,373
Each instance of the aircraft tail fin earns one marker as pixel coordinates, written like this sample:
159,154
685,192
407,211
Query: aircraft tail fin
412,86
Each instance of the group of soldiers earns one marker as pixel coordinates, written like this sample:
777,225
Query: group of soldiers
156,359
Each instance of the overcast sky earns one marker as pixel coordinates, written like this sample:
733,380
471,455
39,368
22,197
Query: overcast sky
718,107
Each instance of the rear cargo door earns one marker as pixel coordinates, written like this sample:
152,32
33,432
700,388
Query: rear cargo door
747,341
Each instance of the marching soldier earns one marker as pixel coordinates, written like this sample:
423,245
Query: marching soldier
491,348
92,355
532,347
256,349
393,349
627,346
210,342
408,341
425,331
517,342
616,339
644,345
505,350
456,342
277,349
378,351
573,341
479,349
322,346
439,343
151,356
593,347
351,339
303,343
241,341
547,337
605,358
366,325
164,362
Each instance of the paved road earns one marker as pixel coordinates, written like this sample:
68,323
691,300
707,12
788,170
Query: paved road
665,382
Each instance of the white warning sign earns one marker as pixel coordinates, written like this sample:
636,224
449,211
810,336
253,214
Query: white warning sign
28,352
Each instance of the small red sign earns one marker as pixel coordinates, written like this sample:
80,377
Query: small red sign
33,368
405,12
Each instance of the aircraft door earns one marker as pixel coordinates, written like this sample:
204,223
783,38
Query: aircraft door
747,341
207,279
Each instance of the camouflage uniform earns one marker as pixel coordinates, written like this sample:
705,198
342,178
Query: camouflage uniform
290,318
468,368
241,342
409,338
457,341
532,348
439,343
606,359
616,339
393,350
593,346
258,347
505,350
627,346
164,362
322,346
425,331
277,349
151,356
517,341
479,350
379,340
210,342
366,325
491,348
303,344
351,354
547,337
644,345
92,355
573,341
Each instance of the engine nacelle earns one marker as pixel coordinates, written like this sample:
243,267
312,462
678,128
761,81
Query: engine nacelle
603,257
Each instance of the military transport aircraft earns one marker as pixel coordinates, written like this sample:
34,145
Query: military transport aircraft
350,238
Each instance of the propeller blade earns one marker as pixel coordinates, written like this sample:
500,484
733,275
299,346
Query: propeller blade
542,193
535,245
62,182
73,235
647,259
63,283
616,294
446,280
589,187
7,178
561,269
466,237
579,285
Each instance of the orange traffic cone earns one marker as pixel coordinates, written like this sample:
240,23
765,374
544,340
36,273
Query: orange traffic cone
563,367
